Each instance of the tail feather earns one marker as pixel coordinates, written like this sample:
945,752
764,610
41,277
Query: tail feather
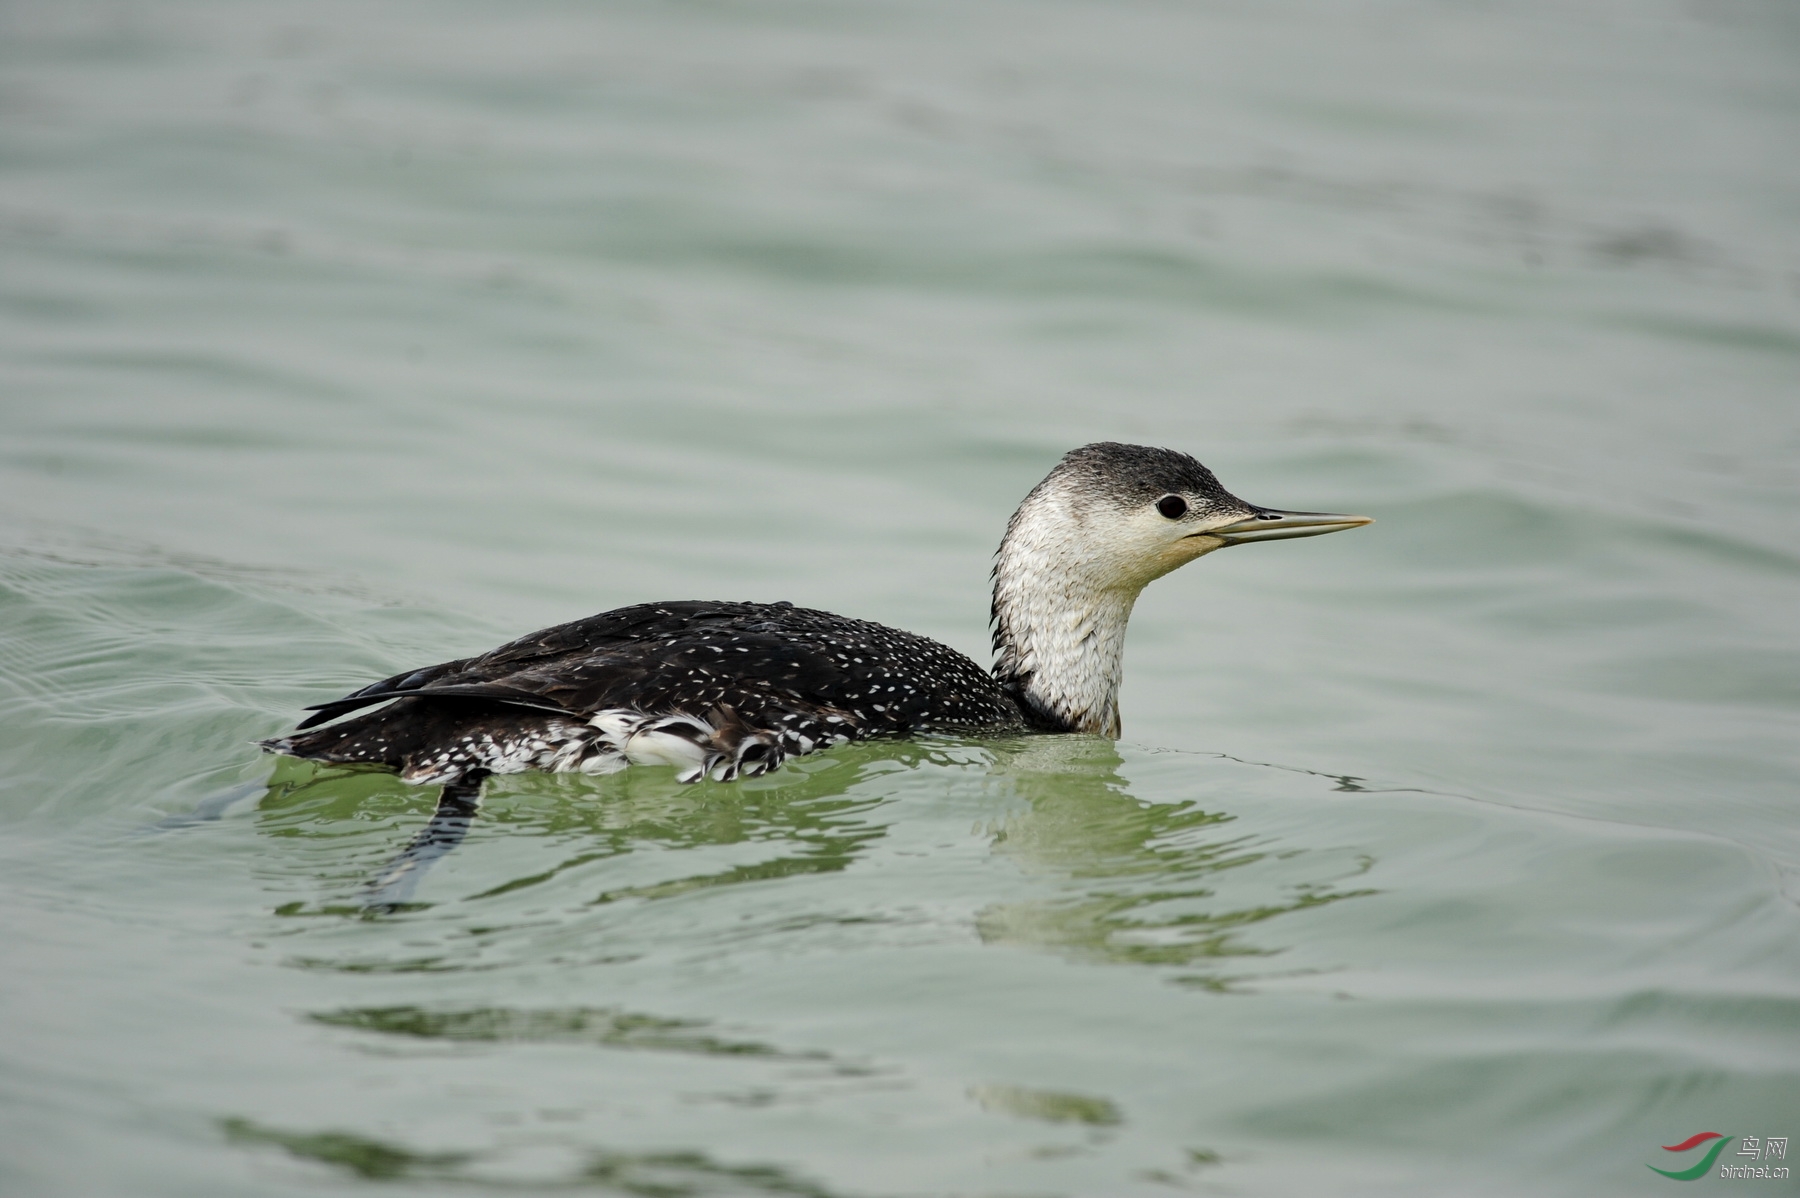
509,695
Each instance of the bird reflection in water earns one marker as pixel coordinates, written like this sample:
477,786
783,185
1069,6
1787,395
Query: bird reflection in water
1107,876
1170,884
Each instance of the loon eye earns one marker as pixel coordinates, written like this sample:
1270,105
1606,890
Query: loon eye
1172,506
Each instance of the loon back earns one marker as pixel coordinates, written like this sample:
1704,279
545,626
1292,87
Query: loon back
725,690
716,689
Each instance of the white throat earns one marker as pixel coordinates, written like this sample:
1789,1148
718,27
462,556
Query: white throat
1062,656
1065,580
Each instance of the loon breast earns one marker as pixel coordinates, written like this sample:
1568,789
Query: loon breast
716,689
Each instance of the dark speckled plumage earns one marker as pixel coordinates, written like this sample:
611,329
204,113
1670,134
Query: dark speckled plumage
762,679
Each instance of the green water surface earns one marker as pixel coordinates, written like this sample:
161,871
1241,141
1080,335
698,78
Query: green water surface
1455,855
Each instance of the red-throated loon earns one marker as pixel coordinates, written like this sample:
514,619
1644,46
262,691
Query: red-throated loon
728,690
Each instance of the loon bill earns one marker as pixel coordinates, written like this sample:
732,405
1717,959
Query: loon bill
728,690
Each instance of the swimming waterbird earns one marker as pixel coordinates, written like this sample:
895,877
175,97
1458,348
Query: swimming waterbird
728,690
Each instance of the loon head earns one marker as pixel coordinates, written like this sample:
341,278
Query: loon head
1105,523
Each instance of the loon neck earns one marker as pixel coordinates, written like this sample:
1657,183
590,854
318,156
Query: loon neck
1059,637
